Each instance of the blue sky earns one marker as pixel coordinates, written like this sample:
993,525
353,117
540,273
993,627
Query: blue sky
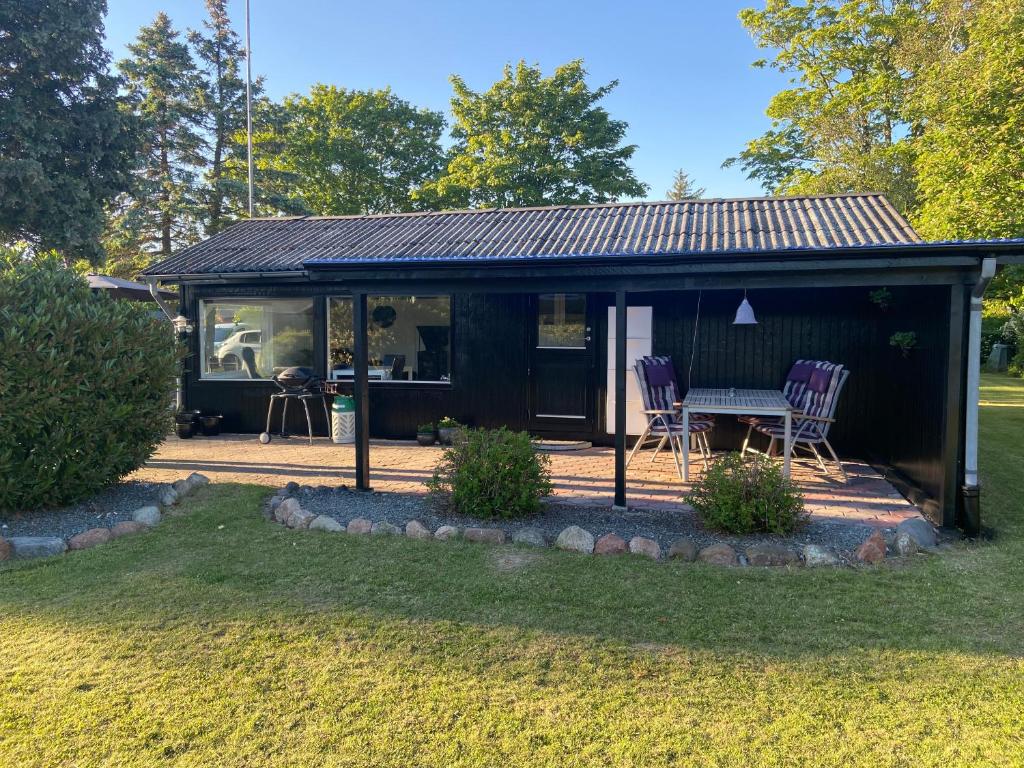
686,85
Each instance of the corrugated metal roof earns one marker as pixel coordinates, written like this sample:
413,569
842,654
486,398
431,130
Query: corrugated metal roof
619,229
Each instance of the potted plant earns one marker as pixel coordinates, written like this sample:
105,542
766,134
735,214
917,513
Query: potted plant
904,341
446,428
425,434
186,423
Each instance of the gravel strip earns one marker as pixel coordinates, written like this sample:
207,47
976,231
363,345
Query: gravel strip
663,526
103,510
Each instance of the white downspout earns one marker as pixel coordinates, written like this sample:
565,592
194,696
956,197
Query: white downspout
971,488
181,326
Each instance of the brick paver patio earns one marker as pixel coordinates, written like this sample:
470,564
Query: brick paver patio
580,477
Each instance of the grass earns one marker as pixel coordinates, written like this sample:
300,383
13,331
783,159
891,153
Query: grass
220,640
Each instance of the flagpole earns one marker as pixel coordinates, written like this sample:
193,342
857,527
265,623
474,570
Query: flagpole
248,100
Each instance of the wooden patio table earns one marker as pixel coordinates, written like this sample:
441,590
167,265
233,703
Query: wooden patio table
745,402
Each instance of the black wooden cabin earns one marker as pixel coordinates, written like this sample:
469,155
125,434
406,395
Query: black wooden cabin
514,317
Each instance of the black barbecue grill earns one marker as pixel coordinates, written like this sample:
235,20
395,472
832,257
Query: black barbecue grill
296,383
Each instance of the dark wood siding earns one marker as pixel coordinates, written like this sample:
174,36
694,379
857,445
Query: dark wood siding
892,409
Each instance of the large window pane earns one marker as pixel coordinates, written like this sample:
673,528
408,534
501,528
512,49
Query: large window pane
408,338
254,338
561,320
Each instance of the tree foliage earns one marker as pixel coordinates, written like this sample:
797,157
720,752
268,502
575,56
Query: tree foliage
163,89
970,104
839,128
339,151
684,188
65,146
221,57
535,140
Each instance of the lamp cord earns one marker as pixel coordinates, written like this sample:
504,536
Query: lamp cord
693,342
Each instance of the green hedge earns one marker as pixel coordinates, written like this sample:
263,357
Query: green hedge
85,385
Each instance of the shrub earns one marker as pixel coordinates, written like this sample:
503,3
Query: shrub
491,473
747,496
84,385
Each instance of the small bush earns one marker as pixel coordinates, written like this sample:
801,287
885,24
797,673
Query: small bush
491,473
747,496
85,382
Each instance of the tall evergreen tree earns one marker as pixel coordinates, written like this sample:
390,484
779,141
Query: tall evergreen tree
221,57
163,87
65,146
684,188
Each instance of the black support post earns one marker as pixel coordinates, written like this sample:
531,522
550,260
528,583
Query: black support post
953,427
620,399
361,391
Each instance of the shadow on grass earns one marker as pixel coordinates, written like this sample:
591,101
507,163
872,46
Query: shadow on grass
222,562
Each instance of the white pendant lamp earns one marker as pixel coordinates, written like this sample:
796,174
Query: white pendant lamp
745,313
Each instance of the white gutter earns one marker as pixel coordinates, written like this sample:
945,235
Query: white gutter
181,326
988,271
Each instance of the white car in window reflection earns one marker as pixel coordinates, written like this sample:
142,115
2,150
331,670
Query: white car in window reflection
231,352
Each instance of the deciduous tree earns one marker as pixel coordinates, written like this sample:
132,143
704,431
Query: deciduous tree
841,126
339,151
535,140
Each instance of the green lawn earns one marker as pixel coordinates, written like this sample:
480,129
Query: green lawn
221,640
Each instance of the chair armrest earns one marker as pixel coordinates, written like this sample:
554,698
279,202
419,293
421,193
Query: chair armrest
799,415
660,413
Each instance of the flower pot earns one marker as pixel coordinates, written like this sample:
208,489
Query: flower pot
210,424
425,438
445,434
186,423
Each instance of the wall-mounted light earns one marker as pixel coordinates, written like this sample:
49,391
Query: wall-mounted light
745,313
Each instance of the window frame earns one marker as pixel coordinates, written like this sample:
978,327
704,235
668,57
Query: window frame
392,382
202,301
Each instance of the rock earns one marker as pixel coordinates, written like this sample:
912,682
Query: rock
385,529
168,497
274,502
147,515
920,530
575,539
414,529
197,480
718,554
326,523
291,487
683,549
610,544
182,487
5,549
126,528
906,544
286,509
639,545
446,532
359,525
90,538
532,537
873,548
485,535
23,547
816,555
300,519
771,554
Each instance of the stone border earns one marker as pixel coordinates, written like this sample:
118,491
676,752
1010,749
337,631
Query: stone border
143,518
911,536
